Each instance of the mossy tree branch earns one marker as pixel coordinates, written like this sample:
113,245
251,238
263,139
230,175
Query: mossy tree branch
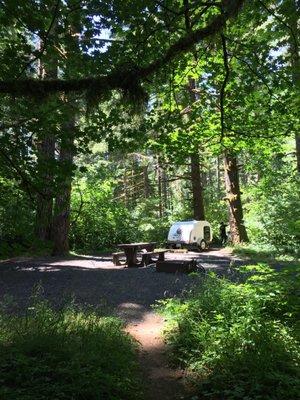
128,80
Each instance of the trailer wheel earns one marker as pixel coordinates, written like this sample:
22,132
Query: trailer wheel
202,245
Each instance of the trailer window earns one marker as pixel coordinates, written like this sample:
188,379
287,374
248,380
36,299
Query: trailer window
206,233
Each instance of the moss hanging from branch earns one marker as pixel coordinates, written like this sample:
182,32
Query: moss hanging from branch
128,80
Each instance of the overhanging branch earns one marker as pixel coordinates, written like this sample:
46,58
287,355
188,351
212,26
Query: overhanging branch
127,80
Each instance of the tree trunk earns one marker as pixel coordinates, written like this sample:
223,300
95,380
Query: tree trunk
159,188
126,197
61,220
197,189
233,196
292,15
46,156
147,189
165,188
218,177
44,205
297,138
62,207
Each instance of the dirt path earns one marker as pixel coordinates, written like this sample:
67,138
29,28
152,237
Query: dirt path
128,293
161,381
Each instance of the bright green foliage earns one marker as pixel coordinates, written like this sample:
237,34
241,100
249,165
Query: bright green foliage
240,341
152,228
277,208
106,210
272,200
65,355
259,111
16,219
262,253
99,223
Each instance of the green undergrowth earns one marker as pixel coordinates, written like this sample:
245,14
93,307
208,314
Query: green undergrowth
30,248
64,355
239,340
263,253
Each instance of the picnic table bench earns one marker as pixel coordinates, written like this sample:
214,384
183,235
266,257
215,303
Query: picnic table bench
131,252
116,257
147,256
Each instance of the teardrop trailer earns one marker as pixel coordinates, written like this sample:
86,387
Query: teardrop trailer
193,235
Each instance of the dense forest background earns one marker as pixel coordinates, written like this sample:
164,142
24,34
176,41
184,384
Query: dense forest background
119,118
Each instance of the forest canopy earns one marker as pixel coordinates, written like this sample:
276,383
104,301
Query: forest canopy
119,118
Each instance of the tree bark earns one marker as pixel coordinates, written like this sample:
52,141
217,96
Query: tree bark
147,188
218,177
165,188
293,17
46,156
44,205
297,139
197,189
159,187
61,220
126,197
233,196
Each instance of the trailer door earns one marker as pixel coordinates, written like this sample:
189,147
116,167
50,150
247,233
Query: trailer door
206,233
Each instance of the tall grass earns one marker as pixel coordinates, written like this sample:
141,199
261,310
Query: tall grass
239,341
64,355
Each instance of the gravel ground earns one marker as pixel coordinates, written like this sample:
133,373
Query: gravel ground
129,293
97,282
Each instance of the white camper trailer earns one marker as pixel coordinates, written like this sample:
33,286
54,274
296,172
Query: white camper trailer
191,234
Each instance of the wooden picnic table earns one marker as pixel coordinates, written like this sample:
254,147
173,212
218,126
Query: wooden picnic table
131,250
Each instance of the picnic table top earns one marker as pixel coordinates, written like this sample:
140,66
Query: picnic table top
136,244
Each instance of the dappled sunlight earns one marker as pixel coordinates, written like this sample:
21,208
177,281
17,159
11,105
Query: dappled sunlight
131,312
161,378
95,280
161,140
90,283
77,353
148,332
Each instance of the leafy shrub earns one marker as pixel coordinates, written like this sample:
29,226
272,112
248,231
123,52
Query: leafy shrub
67,354
273,215
16,219
99,222
241,341
150,227
261,252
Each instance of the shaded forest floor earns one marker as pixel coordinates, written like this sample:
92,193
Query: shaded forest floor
93,281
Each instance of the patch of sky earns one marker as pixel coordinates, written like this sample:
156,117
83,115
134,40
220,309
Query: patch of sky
99,43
